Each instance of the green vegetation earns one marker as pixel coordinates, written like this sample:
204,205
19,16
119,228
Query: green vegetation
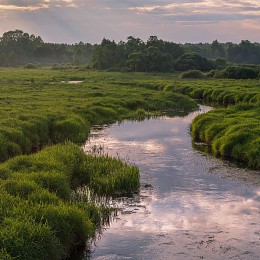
154,55
44,212
220,91
44,209
236,72
193,61
231,133
193,74
40,106
40,216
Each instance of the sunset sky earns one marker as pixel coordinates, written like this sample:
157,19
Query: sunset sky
71,21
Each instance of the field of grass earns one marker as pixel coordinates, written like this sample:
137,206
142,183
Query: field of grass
39,107
43,212
40,217
232,133
221,91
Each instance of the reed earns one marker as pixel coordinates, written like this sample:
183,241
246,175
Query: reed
42,213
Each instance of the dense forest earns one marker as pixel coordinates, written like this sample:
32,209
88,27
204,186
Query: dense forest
154,55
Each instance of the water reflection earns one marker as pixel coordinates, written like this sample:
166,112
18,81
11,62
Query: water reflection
190,210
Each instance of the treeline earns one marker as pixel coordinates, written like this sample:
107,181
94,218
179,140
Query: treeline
19,48
154,55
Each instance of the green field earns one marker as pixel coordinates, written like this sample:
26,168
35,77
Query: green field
43,214
39,107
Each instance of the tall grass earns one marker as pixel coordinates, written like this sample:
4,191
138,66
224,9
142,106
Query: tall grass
49,110
40,216
232,133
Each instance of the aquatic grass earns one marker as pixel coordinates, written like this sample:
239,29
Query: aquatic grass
72,127
111,176
25,239
40,205
222,91
40,107
232,133
18,187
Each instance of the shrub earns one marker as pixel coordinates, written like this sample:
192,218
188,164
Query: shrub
30,66
236,72
193,61
192,74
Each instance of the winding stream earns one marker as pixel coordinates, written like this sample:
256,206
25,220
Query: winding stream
191,205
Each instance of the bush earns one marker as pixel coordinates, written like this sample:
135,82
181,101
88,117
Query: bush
30,66
192,74
193,61
236,72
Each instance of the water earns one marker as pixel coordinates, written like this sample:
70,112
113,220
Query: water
191,206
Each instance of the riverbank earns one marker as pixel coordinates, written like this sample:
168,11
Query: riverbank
42,216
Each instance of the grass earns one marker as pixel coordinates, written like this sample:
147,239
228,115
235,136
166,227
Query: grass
232,133
40,219
39,108
44,213
221,91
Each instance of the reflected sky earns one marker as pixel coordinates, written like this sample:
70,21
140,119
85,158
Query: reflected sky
191,210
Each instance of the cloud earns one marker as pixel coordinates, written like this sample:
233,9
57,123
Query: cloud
31,5
75,20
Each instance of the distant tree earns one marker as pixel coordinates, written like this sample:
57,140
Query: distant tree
174,49
157,60
137,61
12,59
104,55
193,61
245,52
217,49
3,60
133,45
239,72
221,63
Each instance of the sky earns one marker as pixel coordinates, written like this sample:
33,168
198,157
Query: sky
180,21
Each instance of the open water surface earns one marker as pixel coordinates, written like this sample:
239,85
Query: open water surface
190,206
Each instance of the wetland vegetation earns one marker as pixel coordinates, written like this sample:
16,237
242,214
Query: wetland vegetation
47,113
41,217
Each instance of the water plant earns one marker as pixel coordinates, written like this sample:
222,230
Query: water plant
232,133
41,218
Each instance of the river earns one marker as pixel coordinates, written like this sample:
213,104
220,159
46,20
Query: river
190,206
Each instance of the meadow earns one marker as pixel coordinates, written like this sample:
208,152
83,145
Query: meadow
47,113
43,212
38,107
